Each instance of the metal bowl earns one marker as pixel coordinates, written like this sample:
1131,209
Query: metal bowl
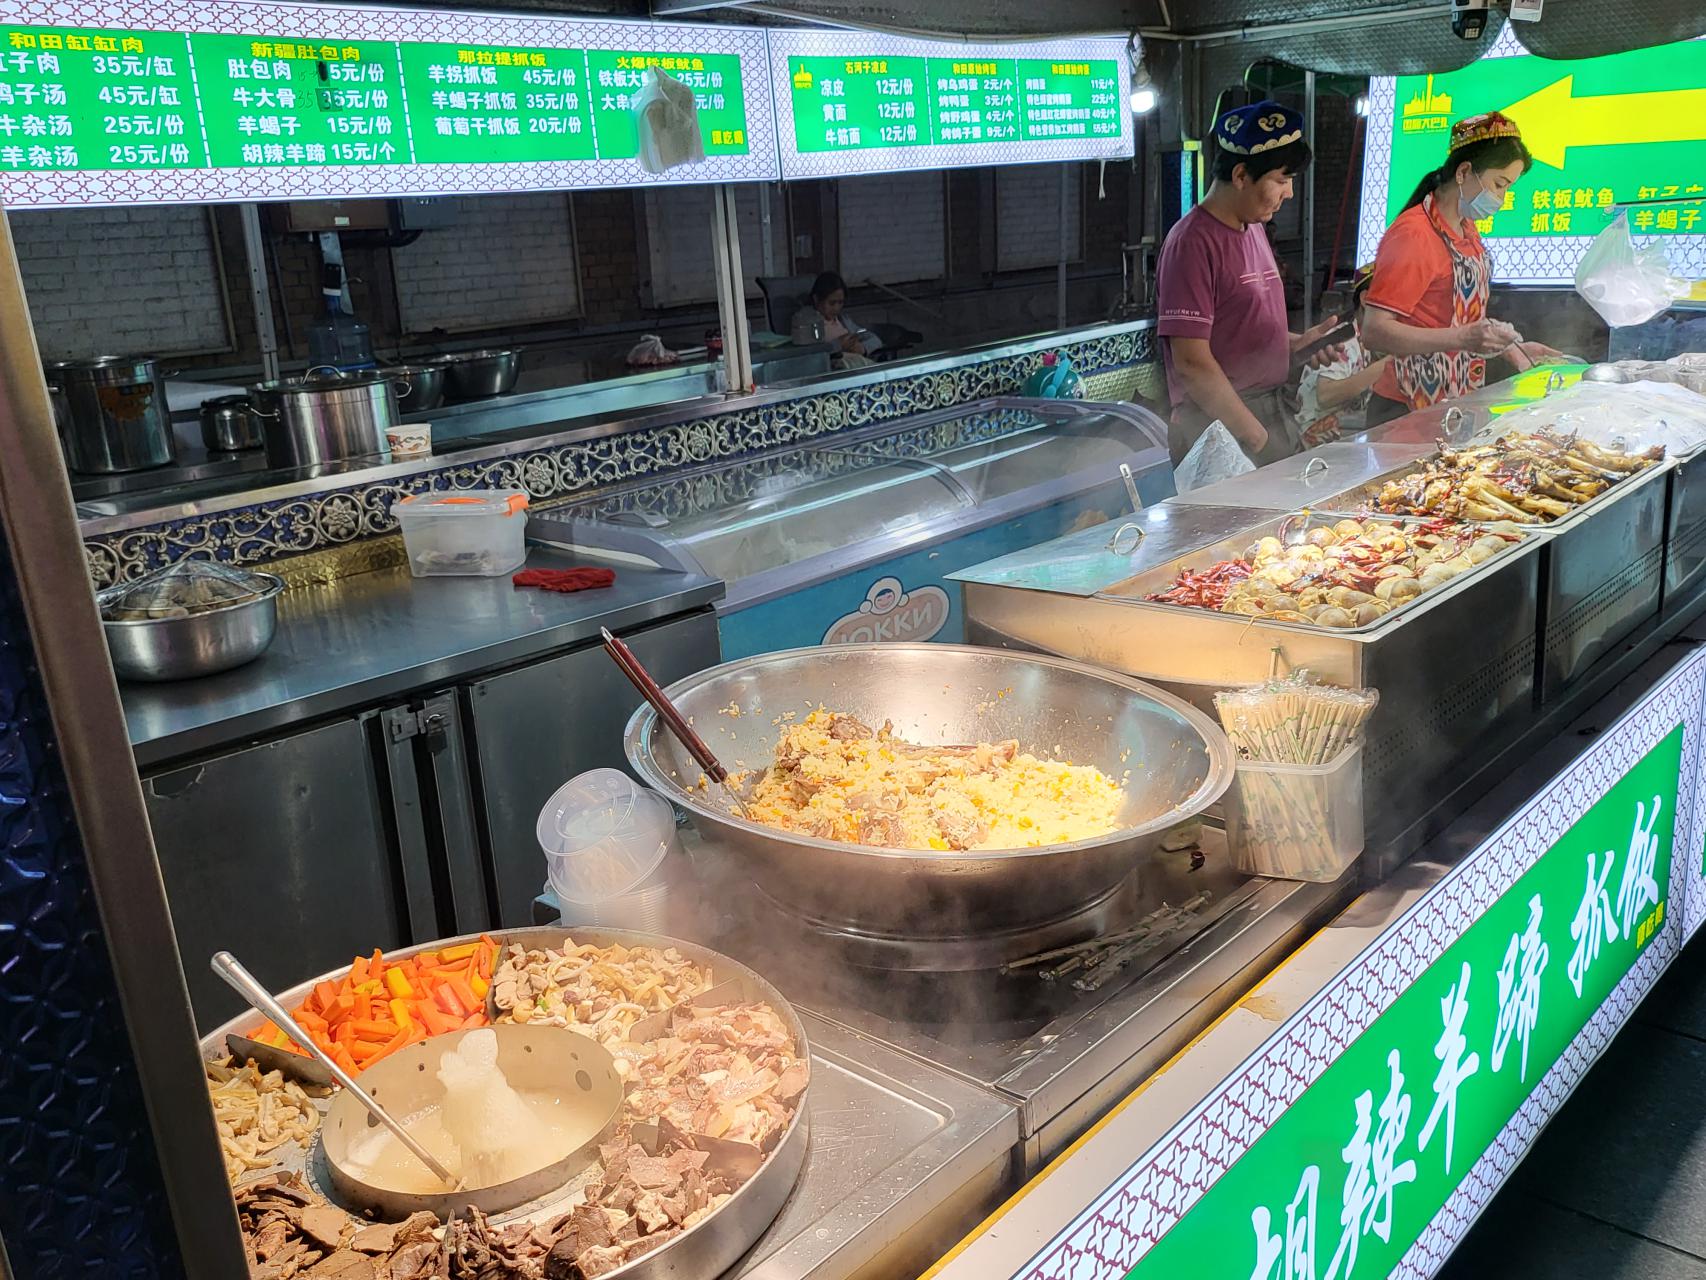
478,375
419,386
1174,760
198,644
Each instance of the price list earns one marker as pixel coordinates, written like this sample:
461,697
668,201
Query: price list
89,98
616,77
496,103
1066,100
975,101
850,104
283,102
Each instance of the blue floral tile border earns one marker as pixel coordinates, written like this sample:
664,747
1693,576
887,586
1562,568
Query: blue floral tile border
316,522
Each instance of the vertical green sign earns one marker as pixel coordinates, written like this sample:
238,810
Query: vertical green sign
851,104
496,104
1070,99
975,101
287,103
92,98
616,78
1349,1176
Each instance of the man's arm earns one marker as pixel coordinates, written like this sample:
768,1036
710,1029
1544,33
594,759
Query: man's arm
1206,383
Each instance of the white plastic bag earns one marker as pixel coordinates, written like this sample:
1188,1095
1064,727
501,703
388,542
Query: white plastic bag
667,118
1624,284
1214,457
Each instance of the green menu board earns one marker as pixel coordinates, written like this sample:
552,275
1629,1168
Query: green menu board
509,104
1070,99
616,77
272,100
842,103
87,98
974,101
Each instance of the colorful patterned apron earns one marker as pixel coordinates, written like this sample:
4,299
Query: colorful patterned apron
1443,375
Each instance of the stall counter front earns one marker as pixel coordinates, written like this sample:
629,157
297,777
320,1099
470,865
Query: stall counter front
1363,1103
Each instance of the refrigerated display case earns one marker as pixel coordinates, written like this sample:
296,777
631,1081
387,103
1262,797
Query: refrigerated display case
853,539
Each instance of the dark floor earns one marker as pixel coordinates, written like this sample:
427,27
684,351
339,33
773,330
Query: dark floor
1616,1187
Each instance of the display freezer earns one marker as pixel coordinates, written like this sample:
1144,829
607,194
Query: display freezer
853,539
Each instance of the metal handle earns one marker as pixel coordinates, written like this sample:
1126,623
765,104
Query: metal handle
1138,532
261,1000
329,368
1312,466
1131,487
1450,421
1555,382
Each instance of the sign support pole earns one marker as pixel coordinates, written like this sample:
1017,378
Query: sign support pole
260,289
1309,205
731,291
1065,249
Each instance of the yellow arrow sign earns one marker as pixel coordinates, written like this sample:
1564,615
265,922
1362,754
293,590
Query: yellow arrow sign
1553,119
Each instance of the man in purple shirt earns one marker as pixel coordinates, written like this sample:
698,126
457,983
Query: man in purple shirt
1222,321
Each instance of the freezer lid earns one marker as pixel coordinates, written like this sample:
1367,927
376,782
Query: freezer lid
1053,439
1083,563
1307,479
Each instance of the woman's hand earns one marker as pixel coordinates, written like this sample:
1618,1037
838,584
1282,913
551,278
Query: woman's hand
1486,337
1540,353
851,344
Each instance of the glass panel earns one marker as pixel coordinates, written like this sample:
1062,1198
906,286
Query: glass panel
1055,445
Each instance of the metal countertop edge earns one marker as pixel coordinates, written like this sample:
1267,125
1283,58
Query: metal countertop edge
245,725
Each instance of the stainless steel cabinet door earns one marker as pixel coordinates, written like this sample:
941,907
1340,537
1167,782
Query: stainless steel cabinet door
537,727
277,853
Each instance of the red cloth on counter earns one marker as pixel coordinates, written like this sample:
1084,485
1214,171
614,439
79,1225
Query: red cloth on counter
577,579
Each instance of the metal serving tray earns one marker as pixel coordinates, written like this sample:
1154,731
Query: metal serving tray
1455,667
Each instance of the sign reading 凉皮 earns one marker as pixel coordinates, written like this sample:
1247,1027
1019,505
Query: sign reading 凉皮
1347,1178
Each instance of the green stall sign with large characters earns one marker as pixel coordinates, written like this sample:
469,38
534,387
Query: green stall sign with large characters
1351,1174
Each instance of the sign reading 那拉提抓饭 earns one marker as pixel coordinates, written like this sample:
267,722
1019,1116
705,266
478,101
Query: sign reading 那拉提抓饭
1623,131
1345,1180
245,101
868,103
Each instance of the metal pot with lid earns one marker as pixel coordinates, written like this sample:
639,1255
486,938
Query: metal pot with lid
229,424
325,416
116,418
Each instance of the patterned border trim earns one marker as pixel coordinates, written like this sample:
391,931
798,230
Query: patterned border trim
1113,1233
66,189
1516,260
837,164
266,531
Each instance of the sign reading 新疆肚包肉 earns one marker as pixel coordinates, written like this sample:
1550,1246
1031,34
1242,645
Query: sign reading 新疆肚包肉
1347,1178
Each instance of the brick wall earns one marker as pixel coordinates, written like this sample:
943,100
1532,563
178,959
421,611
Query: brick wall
504,260
893,227
678,239
607,235
1028,215
135,281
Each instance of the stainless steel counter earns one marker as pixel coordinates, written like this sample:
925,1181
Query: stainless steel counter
377,635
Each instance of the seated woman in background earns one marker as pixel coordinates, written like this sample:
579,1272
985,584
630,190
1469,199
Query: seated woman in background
855,344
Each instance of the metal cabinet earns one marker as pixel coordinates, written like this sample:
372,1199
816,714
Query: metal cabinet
279,854
538,726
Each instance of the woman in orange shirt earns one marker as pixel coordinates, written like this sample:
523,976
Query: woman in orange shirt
1427,306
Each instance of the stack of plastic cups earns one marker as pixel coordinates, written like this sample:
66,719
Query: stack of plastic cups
605,839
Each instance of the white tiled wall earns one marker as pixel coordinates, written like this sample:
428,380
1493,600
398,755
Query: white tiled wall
1027,216
893,227
123,281
502,260
678,231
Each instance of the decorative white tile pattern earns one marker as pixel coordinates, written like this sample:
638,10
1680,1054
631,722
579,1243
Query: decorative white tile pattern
1112,1234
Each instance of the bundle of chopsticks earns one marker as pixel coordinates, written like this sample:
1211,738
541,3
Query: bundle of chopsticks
1293,720
1099,959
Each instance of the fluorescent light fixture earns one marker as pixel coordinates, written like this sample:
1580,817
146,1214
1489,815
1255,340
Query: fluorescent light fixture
1143,99
1361,104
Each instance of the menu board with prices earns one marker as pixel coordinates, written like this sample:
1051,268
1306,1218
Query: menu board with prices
262,102
866,104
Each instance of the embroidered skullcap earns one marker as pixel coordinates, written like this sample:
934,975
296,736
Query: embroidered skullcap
1482,128
1262,126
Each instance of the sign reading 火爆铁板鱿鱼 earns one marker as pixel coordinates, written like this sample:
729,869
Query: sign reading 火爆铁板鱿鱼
868,103
1623,131
255,102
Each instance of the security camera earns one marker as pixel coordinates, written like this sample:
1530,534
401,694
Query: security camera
1468,18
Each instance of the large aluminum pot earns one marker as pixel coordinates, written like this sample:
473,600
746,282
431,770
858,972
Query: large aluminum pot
116,415
419,386
479,375
325,417
1175,763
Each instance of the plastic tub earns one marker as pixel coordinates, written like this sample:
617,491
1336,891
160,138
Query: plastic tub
1296,821
464,532
603,835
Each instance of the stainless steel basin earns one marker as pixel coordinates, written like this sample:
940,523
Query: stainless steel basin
1174,760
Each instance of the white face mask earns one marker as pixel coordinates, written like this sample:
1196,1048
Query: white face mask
1480,206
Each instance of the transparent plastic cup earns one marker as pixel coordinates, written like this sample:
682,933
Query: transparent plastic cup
603,834
1296,821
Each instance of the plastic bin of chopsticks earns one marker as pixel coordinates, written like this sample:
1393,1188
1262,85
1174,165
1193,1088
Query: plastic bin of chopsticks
1296,821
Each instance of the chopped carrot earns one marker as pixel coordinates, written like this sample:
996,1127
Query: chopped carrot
450,955
311,1022
474,1020
465,996
371,1029
358,970
325,993
436,1021
363,1050
445,997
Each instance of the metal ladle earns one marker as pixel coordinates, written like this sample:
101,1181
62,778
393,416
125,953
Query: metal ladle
261,1001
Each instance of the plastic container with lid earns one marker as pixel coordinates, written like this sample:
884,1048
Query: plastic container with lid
1296,821
473,532
603,835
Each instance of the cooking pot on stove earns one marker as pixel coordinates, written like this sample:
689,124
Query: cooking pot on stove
116,417
326,416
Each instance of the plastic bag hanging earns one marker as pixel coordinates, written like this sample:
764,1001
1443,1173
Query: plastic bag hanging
667,119
1624,284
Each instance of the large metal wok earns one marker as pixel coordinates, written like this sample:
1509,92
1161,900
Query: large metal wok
1174,760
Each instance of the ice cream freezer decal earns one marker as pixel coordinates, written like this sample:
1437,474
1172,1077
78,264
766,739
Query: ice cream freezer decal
1369,1131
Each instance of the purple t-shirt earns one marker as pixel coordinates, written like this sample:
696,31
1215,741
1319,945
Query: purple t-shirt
1224,285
